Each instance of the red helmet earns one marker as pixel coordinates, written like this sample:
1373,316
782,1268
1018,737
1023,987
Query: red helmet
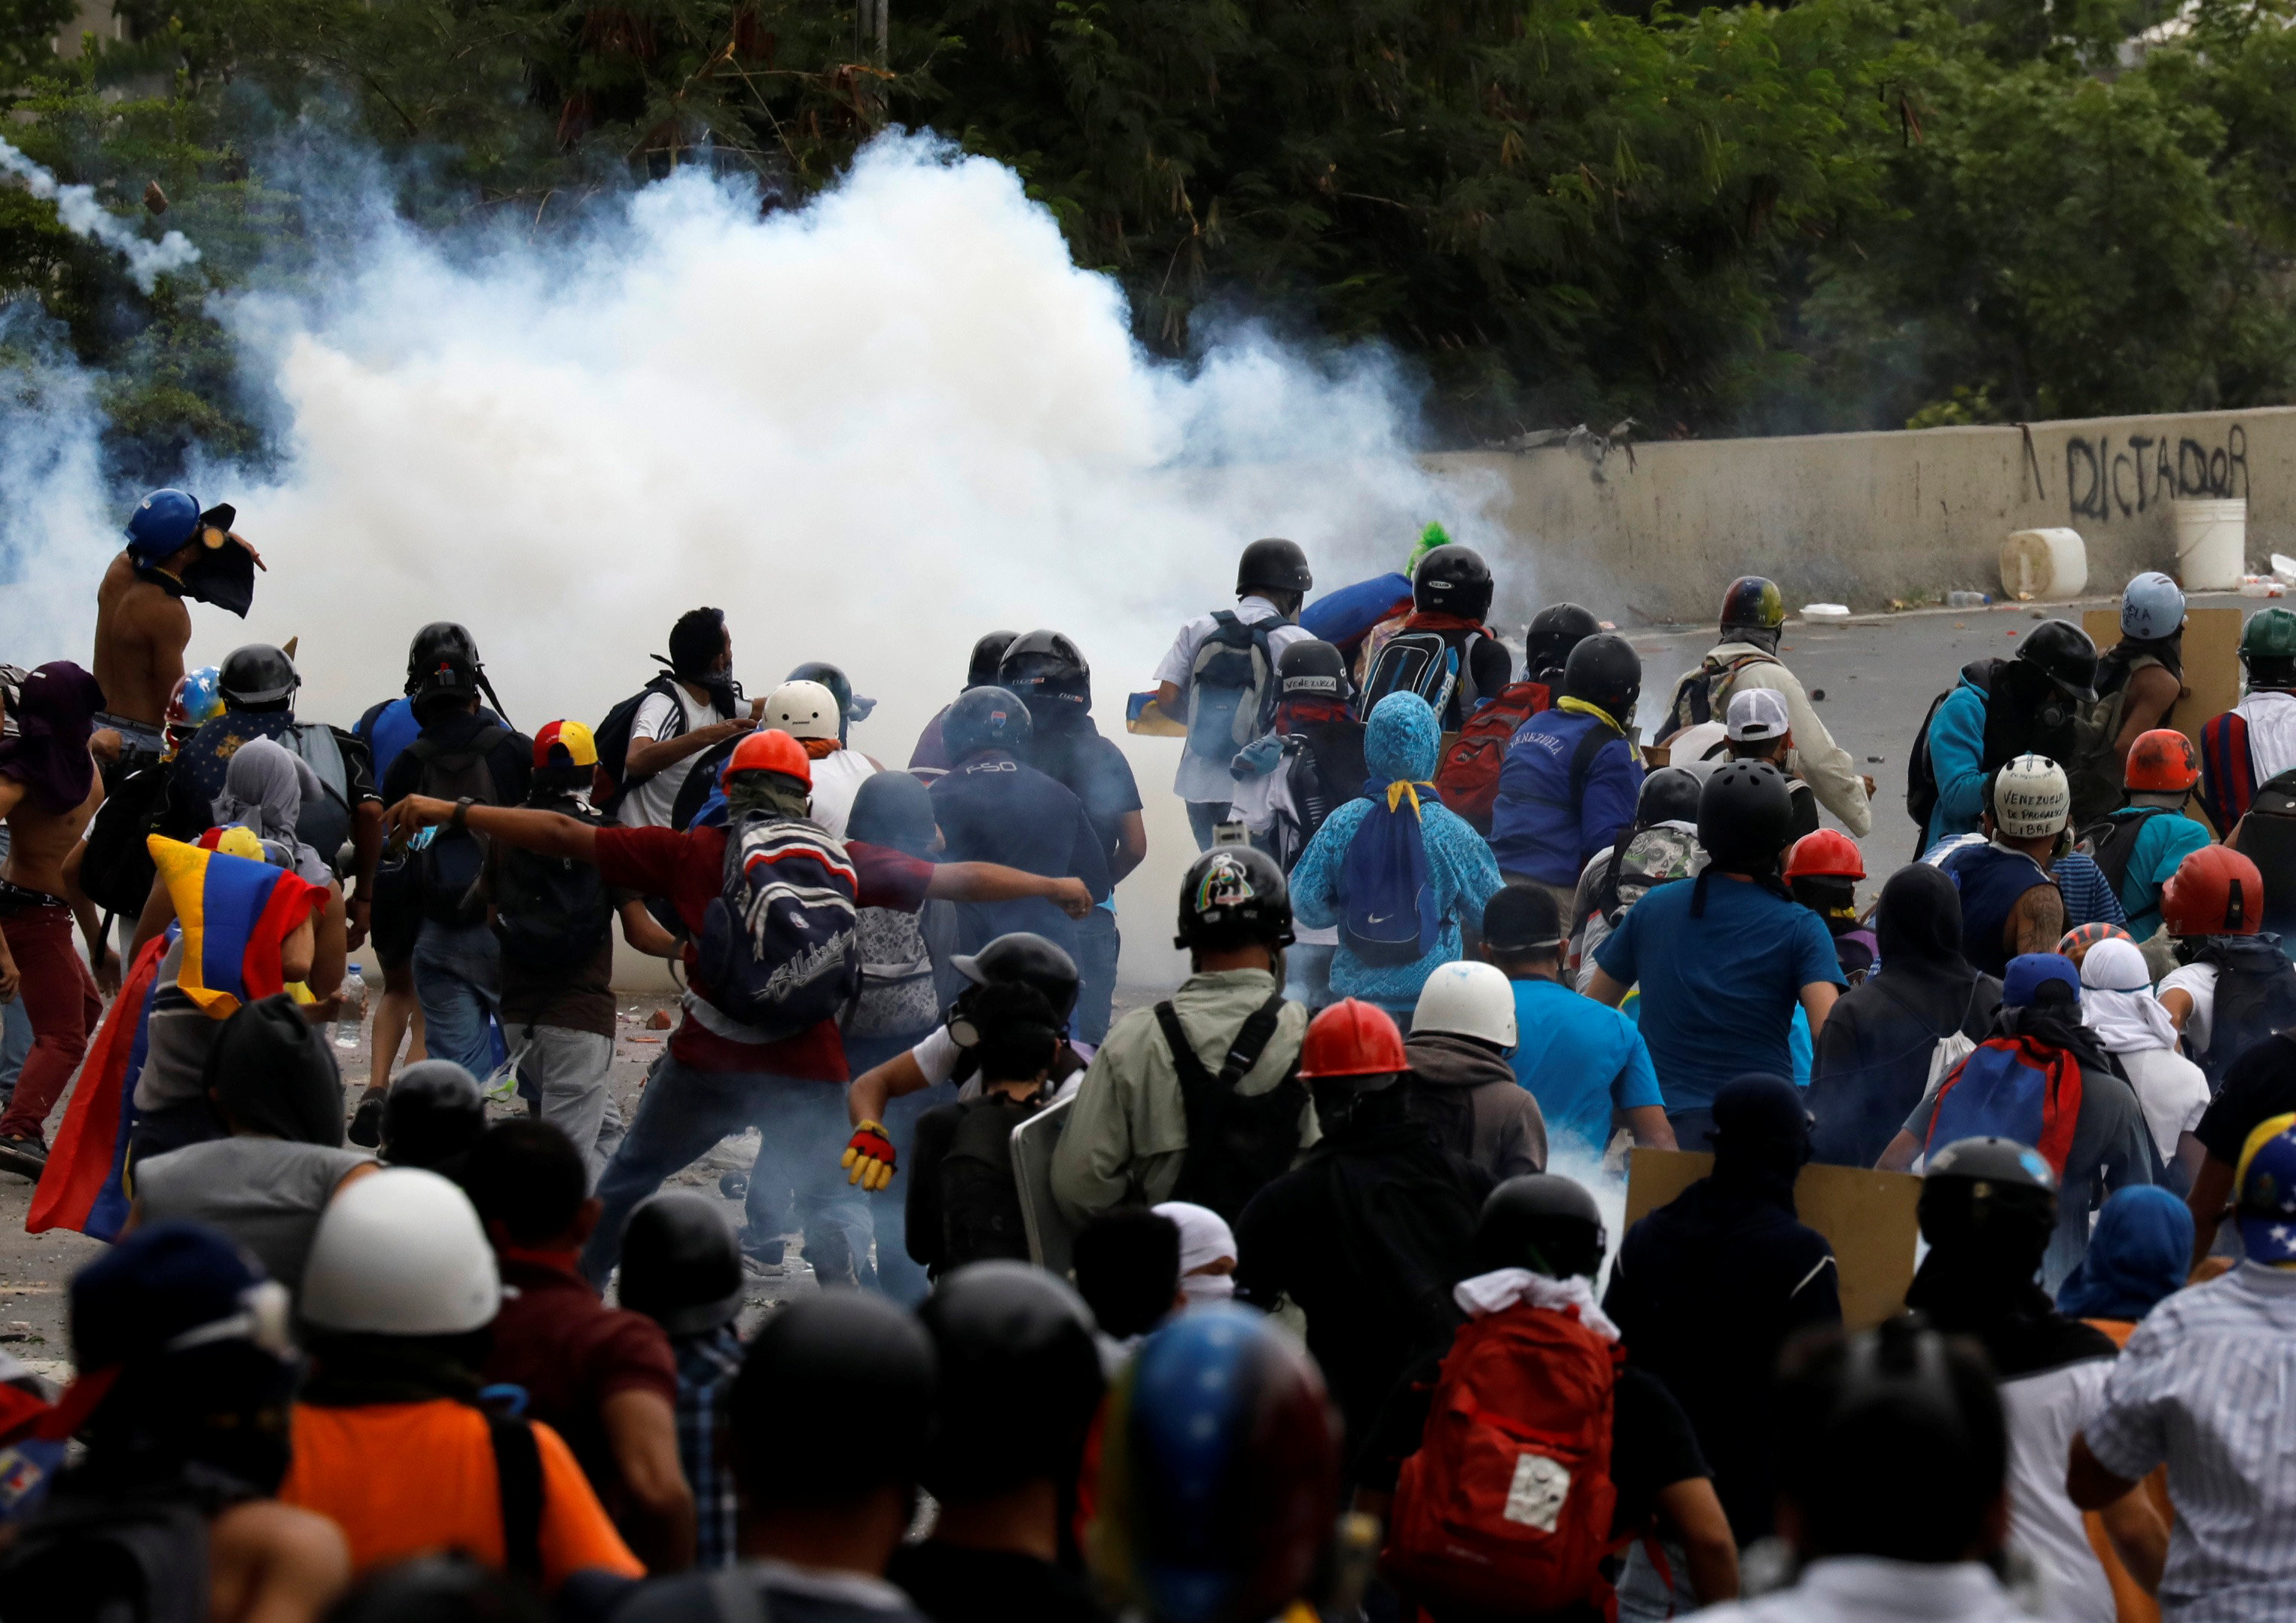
1826,854
2161,762
1352,1038
770,749
2215,891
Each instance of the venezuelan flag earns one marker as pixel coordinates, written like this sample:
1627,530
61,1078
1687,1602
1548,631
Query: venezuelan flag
235,914
81,1185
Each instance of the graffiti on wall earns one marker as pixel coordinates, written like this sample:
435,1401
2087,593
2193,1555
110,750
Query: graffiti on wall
2107,480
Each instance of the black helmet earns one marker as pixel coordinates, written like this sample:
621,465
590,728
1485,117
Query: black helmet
850,705
1669,795
257,673
1553,633
1745,816
433,1115
1273,565
987,653
1027,958
1605,671
985,718
681,1265
450,681
1019,1379
2064,653
1453,580
439,637
1232,895
1049,673
1542,1222
1991,1189
1310,669
816,1363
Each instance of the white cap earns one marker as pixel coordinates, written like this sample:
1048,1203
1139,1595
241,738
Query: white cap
1757,714
1467,1000
401,1253
2030,798
802,709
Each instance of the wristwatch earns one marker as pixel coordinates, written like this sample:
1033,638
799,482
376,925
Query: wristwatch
461,809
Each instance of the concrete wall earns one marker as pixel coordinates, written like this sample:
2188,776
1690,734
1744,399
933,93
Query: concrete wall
1861,518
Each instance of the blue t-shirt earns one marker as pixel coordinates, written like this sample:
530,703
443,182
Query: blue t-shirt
2161,844
1580,1060
1718,992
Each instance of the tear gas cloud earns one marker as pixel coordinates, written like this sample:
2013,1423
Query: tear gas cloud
83,216
870,429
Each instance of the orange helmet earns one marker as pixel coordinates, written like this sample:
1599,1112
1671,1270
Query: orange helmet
2075,943
2161,762
2215,891
1825,853
1352,1038
769,749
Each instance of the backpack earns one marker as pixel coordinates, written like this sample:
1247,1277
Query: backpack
1506,1508
324,821
980,1215
1299,801
140,1560
2268,839
1232,687
1421,662
780,947
612,738
2256,997
2011,1088
1921,776
2110,842
1468,776
1387,900
1238,1144
1696,696
116,869
897,996
552,913
448,865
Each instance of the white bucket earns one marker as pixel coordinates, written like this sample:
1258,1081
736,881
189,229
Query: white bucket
2044,564
2211,544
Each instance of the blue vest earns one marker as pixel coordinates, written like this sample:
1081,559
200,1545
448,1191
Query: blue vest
1991,880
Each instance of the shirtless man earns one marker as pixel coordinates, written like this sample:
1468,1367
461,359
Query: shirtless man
141,625
49,789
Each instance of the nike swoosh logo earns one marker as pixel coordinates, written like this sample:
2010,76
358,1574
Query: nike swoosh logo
1377,918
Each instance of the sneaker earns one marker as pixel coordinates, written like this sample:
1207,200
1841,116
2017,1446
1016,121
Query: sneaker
764,1261
25,1157
366,1124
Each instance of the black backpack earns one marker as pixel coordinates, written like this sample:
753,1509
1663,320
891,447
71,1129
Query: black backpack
116,869
450,865
1422,662
552,913
981,1216
1236,1144
2256,998
139,1560
2111,842
1693,695
613,737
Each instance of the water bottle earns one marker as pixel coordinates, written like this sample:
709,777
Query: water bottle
352,1015
1966,599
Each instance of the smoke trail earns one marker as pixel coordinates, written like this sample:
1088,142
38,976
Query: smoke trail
83,216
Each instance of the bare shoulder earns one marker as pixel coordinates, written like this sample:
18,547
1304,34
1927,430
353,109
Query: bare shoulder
274,1563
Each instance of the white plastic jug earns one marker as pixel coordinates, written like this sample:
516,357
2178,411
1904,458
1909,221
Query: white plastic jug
2044,564
2211,544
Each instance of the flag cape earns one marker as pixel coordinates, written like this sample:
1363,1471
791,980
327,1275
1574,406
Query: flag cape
235,914
80,1187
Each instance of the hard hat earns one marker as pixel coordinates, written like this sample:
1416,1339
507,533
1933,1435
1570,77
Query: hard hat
1752,603
1604,670
985,718
815,1364
1049,672
803,710
1669,795
1019,1379
1745,816
2063,652
1825,853
257,673
2027,973
2264,1191
2076,941
681,1263
432,1115
1352,1038
1453,580
2270,634
769,749
400,1253
1553,633
2152,607
2030,798
1542,1222
1468,999
564,743
1230,895
161,523
1311,669
2215,891
2161,762
1024,956
988,655
1273,565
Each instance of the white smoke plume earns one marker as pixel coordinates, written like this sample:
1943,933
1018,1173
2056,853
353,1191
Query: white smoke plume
870,429
83,216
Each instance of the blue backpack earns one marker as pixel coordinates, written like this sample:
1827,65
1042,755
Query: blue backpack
2011,1088
1386,902
781,945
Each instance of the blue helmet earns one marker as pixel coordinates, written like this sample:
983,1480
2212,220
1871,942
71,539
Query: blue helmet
2152,607
985,718
161,523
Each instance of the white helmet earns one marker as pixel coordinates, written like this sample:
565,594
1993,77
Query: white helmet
803,710
2030,798
1467,1000
2151,606
401,1253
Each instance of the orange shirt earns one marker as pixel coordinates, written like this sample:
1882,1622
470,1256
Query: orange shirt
403,1479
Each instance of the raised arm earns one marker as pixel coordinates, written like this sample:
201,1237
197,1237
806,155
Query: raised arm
547,832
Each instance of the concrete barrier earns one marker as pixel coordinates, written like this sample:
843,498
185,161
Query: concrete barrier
1656,534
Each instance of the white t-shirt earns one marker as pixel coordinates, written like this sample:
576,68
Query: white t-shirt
2173,1091
2044,1410
649,804
1199,780
2198,982
837,778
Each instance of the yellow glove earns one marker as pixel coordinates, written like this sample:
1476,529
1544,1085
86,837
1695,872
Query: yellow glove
869,1157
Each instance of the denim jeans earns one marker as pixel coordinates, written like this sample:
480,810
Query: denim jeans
458,982
15,1043
1203,816
683,1115
897,1276
1098,946
564,1071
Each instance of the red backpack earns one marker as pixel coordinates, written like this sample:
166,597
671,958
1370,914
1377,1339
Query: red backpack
1506,1507
1468,776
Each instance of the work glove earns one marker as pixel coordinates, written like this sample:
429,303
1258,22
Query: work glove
869,1157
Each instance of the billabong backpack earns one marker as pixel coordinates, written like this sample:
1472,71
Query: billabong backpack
1420,662
780,948
2011,1088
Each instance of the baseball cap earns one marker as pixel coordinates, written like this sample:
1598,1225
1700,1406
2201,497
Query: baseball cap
2265,1187
2029,972
1521,919
565,743
1757,714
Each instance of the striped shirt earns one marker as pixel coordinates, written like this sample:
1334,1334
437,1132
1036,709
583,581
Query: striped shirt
2205,1386
707,1364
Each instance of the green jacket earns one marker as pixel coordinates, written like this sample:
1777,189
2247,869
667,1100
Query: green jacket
1127,1130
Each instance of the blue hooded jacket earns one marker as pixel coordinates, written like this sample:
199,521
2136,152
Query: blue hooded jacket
1535,829
1957,762
1399,743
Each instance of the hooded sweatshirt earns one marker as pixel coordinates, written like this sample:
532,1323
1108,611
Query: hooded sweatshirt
1480,1113
1400,746
264,788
